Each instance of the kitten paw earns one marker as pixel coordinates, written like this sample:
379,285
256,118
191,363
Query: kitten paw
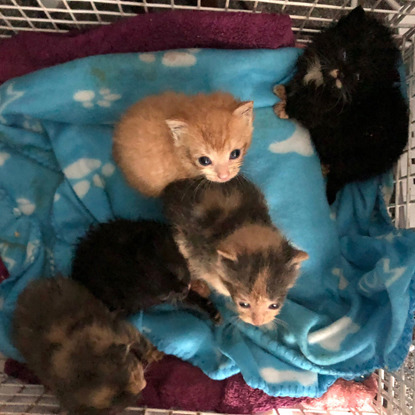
279,110
200,287
154,355
325,169
217,318
280,92
136,382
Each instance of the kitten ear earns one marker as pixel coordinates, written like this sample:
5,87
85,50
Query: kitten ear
177,128
246,110
298,257
228,255
356,16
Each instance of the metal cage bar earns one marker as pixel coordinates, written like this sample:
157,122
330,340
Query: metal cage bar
395,391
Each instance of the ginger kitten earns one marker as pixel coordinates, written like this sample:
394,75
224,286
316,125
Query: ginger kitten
225,232
93,361
173,136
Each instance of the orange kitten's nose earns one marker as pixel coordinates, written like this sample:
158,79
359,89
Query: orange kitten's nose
223,172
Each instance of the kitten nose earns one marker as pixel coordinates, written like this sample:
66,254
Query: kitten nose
223,172
257,320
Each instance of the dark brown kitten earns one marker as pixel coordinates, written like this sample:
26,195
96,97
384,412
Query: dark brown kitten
225,232
131,265
91,360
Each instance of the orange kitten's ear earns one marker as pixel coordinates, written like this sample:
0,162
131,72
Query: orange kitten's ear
299,257
246,109
177,128
228,255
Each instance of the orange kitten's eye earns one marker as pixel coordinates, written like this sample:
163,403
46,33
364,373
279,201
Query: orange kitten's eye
274,306
205,161
244,305
235,154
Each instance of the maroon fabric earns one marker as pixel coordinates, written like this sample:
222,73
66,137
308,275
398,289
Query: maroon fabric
20,371
4,274
174,384
30,51
239,398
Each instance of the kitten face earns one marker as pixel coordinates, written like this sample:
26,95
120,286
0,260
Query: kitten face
259,271
258,284
357,49
258,305
217,147
111,375
335,76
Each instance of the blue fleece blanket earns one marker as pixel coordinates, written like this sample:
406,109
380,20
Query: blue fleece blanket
349,313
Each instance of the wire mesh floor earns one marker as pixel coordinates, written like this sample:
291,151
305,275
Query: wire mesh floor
17,397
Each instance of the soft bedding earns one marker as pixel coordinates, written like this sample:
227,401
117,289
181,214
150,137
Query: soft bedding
351,309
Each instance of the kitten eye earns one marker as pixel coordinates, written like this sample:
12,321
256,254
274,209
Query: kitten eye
235,154
274,306
205,161
244,305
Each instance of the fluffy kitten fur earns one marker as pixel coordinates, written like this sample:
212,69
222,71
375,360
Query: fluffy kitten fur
344,92
225,232
173,136
92,361
131,265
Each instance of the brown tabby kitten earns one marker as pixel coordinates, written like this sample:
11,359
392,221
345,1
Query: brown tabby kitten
92,361
225,232
173,136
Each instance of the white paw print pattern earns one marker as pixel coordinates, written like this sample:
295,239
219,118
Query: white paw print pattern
31,250
9,262
89,98
272,375
26,206
7,96
87,172
3,157
147,57
172,58
32,125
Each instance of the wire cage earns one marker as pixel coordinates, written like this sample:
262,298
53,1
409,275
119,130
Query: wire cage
396,390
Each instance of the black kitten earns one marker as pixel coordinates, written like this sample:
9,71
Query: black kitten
368,139
344,92
93,361
133,265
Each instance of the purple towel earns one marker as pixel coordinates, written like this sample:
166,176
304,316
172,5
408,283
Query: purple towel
4,274
172,383
30,51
